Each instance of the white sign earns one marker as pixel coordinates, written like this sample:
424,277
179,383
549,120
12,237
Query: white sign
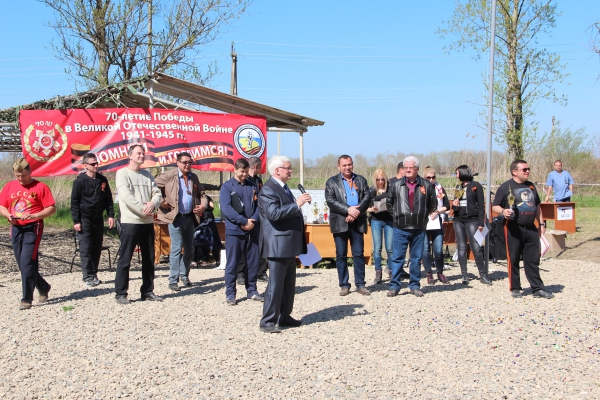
564,213
317,204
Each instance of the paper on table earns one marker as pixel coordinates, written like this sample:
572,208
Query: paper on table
433,224
311,257
480,236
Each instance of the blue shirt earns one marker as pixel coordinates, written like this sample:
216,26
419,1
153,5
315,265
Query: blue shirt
560,184
185,200
351,192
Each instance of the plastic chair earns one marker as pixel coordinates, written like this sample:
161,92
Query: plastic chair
76,239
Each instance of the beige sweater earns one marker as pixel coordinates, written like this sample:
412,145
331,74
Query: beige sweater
134,189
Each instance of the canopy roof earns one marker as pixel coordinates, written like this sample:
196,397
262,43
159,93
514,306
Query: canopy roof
137,93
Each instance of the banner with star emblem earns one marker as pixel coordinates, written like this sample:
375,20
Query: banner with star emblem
54,141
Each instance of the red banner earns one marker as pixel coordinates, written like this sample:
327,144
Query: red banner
54,141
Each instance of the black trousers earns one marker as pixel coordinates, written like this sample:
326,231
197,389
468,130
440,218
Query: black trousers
262,263
523,241
279,296
236,246
90,246
26,243
131,236
262,267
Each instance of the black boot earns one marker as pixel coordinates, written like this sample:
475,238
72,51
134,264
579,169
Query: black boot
378,277
465,278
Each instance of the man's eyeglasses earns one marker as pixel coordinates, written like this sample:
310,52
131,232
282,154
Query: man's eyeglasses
287,168
430,177
525,169
187,162
93,164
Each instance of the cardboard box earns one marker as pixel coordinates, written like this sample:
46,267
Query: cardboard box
557,240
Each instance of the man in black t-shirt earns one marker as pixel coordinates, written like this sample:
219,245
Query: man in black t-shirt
522,237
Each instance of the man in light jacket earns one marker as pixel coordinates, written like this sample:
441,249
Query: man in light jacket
138,198
182,207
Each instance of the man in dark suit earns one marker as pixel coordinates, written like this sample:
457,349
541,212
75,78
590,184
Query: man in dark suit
281,240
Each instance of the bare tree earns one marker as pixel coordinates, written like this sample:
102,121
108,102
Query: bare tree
105,41
525,72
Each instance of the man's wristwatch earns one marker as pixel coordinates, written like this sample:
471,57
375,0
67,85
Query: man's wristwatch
543,224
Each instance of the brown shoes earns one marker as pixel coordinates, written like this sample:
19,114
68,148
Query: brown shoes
25,305
363,290
378,277
345,291
43,297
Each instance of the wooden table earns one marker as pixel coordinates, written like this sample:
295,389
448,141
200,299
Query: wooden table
321,236
162,239
563,215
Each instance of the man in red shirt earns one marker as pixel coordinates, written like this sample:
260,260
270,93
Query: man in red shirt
25,202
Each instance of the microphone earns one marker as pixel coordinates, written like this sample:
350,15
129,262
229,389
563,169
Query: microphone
301,189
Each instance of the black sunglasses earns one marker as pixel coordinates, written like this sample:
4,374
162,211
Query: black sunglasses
93,164
525,169
430,177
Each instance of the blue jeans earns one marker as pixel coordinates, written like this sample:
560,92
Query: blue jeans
378,230
182,235
402,239
357,244
437,242
462,231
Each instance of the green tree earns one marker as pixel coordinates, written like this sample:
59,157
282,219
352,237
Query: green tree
573,147
106,41
524,72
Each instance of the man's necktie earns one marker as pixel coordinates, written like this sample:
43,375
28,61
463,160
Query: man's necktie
287,190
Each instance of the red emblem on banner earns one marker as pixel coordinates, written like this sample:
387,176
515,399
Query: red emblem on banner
45,141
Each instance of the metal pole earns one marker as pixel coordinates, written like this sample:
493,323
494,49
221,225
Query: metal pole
278,143
301,158
149,37
488,194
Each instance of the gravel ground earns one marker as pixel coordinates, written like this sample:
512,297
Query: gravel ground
455,342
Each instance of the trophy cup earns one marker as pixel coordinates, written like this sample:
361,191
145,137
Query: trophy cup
458,192
315,212
510,199
325,213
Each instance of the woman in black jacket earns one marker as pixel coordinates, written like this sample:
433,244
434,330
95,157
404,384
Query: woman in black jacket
382,226
436,236
469,214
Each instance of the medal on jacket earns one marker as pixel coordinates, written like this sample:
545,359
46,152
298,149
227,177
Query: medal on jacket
352,186
187,186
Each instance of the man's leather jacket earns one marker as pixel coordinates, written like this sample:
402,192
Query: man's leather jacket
335,195
425,202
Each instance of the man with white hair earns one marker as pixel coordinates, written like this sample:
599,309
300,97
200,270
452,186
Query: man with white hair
281,240
412,202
